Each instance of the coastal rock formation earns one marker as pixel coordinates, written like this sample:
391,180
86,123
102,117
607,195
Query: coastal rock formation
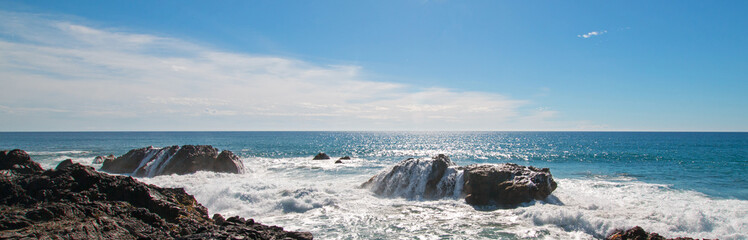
150,161
17,162
418,179
321,156
74,201
506,183
484,184
637,233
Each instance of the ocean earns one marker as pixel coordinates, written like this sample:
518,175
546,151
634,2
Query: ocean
675,184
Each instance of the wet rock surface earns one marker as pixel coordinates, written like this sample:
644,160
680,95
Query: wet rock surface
480,184
506,184
74,201
149,161
416,179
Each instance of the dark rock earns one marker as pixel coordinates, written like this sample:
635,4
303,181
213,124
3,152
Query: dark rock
102,159
64,164
321,156
18,162
638,233
505,184
340,160
486,184
149,162
77,202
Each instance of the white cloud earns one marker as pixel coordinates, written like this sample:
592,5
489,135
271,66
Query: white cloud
113,80
591,34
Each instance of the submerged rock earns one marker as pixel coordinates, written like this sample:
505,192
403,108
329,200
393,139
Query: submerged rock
483,184
149,161
77,202
321,156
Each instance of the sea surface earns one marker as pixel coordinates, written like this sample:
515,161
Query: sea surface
676,184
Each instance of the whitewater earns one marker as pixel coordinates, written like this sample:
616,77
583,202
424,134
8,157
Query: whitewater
673,184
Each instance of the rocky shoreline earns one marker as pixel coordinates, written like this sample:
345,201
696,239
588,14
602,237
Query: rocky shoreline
74,201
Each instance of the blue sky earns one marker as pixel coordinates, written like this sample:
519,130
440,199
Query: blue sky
374,65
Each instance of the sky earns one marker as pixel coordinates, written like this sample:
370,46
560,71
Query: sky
373,65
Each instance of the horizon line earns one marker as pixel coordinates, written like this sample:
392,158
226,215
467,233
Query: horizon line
423,131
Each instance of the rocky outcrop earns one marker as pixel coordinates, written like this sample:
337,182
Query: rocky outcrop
17,162
149,161
637,233
485,184
77,202
418,179
321,156
506,183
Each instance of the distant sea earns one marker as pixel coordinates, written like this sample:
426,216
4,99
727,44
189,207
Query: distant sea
673,183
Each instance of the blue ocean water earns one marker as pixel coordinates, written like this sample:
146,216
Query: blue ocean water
688,169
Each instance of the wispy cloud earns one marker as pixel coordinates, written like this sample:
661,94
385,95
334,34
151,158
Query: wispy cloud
111,79
592,34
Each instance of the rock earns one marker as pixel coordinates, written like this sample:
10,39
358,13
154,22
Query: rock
638,233
340,160
149,161
506,184
102,159
64,164
417,179
77,202
18,162
321,156
485,184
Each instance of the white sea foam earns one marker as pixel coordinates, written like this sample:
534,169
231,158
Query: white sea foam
324,198
597,207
